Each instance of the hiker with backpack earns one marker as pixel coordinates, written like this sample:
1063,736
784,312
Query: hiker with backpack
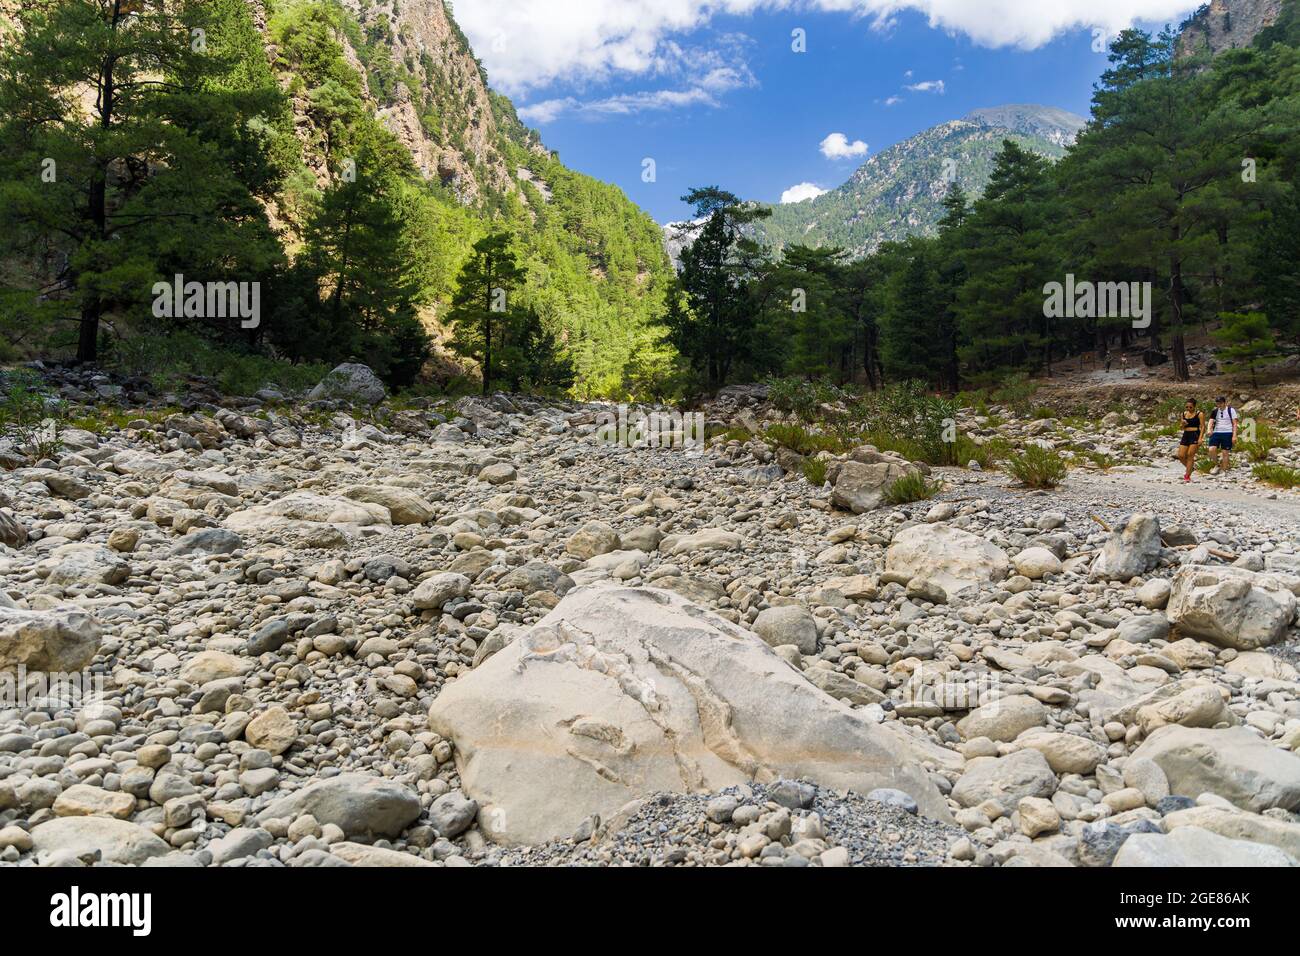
1223,433
1194,427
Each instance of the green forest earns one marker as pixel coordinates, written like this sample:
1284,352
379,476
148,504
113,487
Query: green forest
1185,178
142,140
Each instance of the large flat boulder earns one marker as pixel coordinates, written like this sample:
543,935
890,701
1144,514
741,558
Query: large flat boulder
405,506
1192,846
1003,720
863,487
1236,764
1232,607
1239,825
350,382
1007,780
61,640
623,692
303,513
115,841
710,539
360,805
74,564
956,560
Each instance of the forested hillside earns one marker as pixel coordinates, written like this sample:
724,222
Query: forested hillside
899,192
345,156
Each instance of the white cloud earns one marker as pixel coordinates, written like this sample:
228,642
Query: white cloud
837,146
893,101
703,76
802,193
530,44
929,86
625,104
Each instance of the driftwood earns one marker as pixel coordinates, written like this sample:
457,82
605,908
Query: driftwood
1222,555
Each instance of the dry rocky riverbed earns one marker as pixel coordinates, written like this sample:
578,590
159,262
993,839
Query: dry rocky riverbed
481,636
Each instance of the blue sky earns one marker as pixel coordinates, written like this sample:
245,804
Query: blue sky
712,91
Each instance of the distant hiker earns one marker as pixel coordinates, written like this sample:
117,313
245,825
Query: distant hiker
1110,360
1193,431
1224,434
1123,361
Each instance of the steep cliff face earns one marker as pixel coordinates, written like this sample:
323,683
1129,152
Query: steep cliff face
449,118
1224,24
424,83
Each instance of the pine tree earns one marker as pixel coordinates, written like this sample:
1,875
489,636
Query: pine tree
481,309
1248,341
1008,255
712,322
123,192
810,318
910,340
355,245
531,358
1164,172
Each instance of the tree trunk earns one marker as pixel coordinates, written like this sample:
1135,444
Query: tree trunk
88,337
1181,371
487,337
92,308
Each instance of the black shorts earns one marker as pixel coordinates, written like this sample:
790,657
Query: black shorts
1189,440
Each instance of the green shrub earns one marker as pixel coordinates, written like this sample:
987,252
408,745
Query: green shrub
988,456
1042,412
904,418
167,361
1278,475
814,469
913,487
1036,467
1266,439
909,448
976,401
803,442
803,398
29,417
741,435
1102,461
1169,407
1016,392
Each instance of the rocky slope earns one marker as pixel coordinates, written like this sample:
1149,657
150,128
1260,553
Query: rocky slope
300,614
442,110
900,191
1225,24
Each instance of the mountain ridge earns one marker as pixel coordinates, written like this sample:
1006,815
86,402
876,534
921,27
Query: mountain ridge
899,192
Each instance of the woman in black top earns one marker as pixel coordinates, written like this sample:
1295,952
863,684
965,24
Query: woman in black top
1193,431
